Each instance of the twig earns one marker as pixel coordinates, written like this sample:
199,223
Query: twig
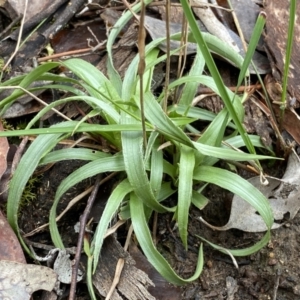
278,274
154,228
36,98
10,26
238,27
83,221
31,244
141,69
182,55
120,265
19,37
168,60
114,228
212,24
205,90
18,154
127,242
200,4
67,53
128,6
71,203
117,276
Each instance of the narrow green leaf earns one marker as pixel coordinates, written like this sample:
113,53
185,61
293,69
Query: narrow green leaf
107,108
190,88
27,165
238,186
228,154
199,200
27,80
69,128
92,77
116,29
288,52
72,153
194,112
156,116
111,208
215,73
143,235
156,173
152,138
256,34
98,166
242,252
132,144
185,187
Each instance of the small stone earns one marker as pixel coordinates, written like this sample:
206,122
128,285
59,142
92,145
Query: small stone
272,262
251,274
296,289
271,254
209,264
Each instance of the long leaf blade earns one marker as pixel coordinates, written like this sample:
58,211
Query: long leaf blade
185,188
142,232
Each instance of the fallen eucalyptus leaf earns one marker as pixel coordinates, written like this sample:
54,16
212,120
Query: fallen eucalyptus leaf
247,20
276,32
10,248
212,23
4,147
19,281
283,195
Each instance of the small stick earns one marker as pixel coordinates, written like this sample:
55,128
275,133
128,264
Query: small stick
120,266
67,53
36,98
278,274
10,26
205,90
71,203
168,60
83,221
238,27
19,37
18,154
154,228
117,276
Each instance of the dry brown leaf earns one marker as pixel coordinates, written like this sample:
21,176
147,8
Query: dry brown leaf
276,33
10,248
15,8
19,281
283,195
247,20
212,23
4,146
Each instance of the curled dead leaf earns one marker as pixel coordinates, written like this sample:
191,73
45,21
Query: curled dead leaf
283,195
19,281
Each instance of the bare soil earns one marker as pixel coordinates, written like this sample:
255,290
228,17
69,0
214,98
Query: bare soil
272,273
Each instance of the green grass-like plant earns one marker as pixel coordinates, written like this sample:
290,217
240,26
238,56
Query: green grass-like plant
154,173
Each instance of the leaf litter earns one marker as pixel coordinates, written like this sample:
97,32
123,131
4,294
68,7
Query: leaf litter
19,281
283,195
272,190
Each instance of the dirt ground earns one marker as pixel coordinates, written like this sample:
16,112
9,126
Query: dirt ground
272,273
